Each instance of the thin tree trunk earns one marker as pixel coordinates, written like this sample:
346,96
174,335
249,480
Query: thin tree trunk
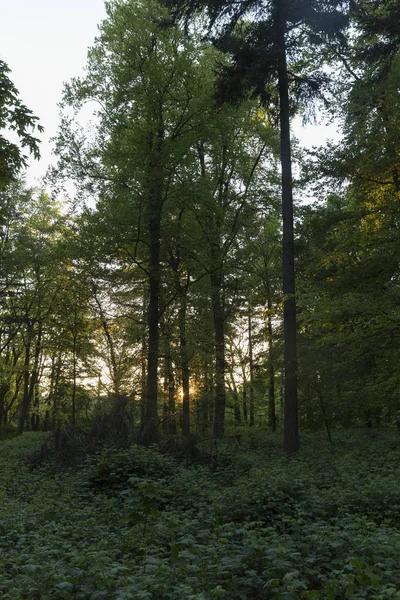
251,367
74,373
25,398
291,434
244,403
169,407
171,400
271,368
57,376
165,420
143,379
220,393
34,380
236,406
143,369
151,419
30,380
4,389
184,365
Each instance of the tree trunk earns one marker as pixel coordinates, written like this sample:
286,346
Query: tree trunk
151,419
169,408
25,398
143,369
218,317
154,210
244,403
74,374
236,405
30,381
184,365
165,419
143,379
271,368
57,376
291,434
251,366
171,400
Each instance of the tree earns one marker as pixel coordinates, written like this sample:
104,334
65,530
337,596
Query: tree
146,80
15,117
31,292
260,50
350,242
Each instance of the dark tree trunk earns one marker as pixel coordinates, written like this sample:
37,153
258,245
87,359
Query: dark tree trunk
143,379
184,365
154,211
236,405
251,366
143,369
271,368
35,417
57,375
169,408
171,400
244,403
4,389
151,419
74,374
25,398
30,380
220,393
291,434
165,420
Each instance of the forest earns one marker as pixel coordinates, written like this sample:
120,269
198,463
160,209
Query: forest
199,317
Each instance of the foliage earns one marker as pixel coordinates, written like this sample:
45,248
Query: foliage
112,469
321,525
14,117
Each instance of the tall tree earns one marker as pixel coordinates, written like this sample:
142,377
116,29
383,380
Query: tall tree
150,84
261,49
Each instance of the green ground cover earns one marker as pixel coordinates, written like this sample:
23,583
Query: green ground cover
257,525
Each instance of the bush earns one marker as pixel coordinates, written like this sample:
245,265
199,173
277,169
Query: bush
8,431
111,470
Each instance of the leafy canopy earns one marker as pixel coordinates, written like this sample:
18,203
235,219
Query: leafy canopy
15,117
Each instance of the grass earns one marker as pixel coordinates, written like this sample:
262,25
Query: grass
256,525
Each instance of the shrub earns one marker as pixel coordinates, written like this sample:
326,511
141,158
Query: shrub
111,470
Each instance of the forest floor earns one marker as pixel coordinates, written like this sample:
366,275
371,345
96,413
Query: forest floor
254,525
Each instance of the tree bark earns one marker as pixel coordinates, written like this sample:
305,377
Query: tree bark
184,365
151,418
154,211
236,405
169,408
30,380
251,366
218,317
271,368
143,369
25,398
291,434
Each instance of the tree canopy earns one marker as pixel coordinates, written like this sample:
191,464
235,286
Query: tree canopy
15,117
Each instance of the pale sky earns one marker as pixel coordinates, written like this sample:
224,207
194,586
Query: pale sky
44,42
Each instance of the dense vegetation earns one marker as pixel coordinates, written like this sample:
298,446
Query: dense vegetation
151,331
158,303
253,524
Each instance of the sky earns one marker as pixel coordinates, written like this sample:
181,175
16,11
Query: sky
45,42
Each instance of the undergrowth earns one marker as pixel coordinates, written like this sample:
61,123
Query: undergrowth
133,524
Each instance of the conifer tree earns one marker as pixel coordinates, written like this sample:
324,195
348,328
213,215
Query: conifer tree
265,40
